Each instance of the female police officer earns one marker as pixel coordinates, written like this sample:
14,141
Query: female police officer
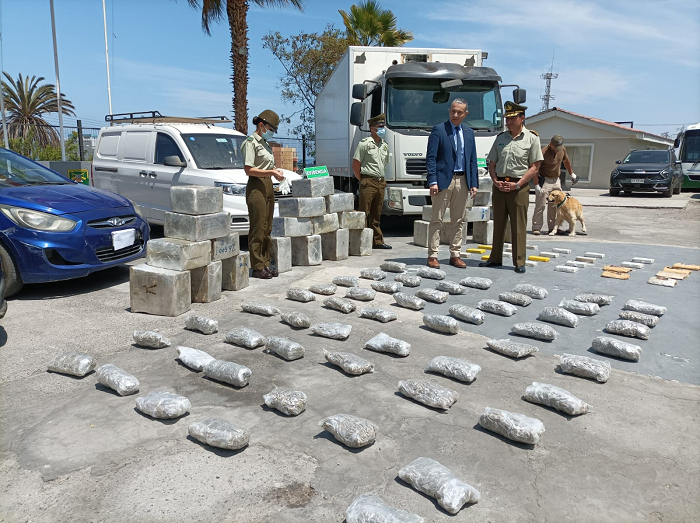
260,167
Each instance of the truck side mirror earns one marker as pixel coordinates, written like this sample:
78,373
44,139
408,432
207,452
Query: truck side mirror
519,96
359,91
676,142
357,113
174,161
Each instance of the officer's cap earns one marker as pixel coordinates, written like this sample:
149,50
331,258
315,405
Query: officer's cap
513,109
376,119
268,117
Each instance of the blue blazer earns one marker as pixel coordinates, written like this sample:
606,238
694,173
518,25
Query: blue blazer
442,156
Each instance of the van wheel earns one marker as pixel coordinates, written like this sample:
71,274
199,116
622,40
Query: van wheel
13,280
614,192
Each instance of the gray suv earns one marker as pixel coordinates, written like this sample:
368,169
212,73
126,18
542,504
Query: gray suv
648,171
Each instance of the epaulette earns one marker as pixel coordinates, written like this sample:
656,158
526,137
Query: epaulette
250,138
534,132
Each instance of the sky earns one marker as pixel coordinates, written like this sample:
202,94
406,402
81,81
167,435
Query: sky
618,60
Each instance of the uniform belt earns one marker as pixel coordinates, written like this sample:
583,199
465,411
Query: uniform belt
507,178
371,176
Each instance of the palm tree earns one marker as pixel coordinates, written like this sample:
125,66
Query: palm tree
237,12
369,24
26,102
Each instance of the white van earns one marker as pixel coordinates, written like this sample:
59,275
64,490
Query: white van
143,158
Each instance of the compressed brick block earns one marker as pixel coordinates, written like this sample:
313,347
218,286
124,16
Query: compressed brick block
420,232
637,259
428,214
360,242
585,259
561,251
234,272
339,202
477,214
595,254
301,207
483,199
306,250
226,247
580,264
197,228
529,247
312,187
196,199
206,283
630,265
159,291
485,184
548,254
325,224
530,263
291,227
281,255
335,245
352,220
482,232
565,268
177,255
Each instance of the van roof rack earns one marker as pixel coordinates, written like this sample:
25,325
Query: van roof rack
156,117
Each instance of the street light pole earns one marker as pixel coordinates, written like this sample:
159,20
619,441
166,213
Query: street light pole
2,93
58,85
109,85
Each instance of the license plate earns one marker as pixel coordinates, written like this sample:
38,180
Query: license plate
637,180
122,239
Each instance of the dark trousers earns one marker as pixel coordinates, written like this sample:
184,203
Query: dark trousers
260,198
371,202
511,205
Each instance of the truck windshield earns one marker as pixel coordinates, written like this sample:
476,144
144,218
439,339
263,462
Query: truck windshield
421,103
215,151
690,149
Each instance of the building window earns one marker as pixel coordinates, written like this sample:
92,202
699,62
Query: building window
581,158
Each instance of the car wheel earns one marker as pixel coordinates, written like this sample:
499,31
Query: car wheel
614,192
13,280
677,190
669,192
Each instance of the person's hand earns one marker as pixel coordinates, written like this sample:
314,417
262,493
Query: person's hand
473,191
285,187
278,174
433,190
574,179
538,189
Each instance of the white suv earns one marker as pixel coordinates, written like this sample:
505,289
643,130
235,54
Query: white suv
141,161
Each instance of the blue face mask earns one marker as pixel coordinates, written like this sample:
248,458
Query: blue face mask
381,132
268,135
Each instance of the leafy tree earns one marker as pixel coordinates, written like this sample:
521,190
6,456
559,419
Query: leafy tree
236,11
28,146
369,24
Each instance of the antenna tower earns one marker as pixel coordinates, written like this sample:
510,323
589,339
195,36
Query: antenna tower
548,77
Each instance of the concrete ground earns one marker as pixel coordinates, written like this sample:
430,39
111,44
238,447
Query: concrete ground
72,450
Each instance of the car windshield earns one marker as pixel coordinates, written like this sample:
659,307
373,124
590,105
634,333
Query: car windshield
16,170
647,157
215,151
421,103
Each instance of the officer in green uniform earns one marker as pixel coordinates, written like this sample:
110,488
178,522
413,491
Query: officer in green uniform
259,165
514,159
368,164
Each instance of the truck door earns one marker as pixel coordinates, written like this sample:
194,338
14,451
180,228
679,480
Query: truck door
132,175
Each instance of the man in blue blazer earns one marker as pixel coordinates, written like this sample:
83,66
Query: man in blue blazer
452,178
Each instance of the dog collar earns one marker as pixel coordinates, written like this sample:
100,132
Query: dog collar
566,197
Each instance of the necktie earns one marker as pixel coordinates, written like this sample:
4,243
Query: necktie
458,145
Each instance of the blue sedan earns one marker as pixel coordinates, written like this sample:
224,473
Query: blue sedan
52,228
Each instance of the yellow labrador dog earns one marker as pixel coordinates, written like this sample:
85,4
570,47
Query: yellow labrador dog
569,209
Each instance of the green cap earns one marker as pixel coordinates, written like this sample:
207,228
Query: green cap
376,119
271,118
513,109
557,140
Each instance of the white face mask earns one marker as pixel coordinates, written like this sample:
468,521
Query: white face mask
268,135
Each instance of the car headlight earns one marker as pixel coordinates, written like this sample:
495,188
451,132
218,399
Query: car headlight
37,220
233,189
665,173
615,173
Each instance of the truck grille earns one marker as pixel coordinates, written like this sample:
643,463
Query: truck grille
112,223
108,254
416,167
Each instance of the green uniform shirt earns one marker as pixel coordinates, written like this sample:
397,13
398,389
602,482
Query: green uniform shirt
372,157
257,152
514,155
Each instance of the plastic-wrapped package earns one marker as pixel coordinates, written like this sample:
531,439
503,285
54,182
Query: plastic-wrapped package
441,323
585,367
287,401
628,328
644,307
645,319
201,324
430,273
433,295
297,320
151,339
512,425
497,307
285,348
559,316
407,280
515,298
73,363
260,308
193,358
408,301
617,348
511,348
350,430
346,281
339,304
539,293
580,307
360,294
386,286
302,295
332,330
530,329
428,393
245,337
450,287
219,433
372,274
325,289
161,404
384,343
375,313
437,481
455,368
598,299
391,266
117,379
228,372
468,314
556,398
351,364
476,283
368,508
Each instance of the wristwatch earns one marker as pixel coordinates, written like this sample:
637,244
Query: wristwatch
517,185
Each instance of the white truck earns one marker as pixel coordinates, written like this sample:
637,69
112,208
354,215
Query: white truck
414,87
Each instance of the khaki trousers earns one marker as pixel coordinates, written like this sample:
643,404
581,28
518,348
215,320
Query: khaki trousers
371,202
510,205
541,202
454,197
260,198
